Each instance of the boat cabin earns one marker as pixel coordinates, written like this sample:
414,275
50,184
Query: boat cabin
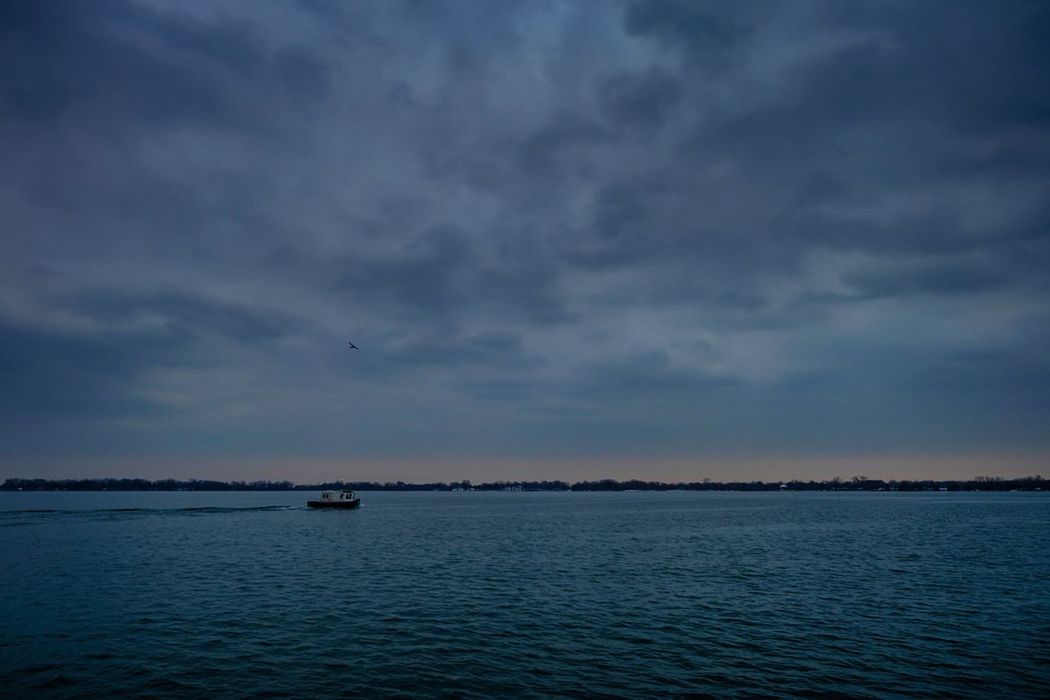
336,496
336,499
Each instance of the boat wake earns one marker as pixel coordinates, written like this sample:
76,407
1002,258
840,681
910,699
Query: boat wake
25,516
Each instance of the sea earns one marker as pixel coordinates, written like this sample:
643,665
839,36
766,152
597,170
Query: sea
493,594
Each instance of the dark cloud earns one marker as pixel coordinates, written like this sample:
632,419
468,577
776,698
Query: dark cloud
652,225
438,274
103,367
707,30
502,351
925,278
141,66
645,377
48,375
173,316
425,273
640,100
558,144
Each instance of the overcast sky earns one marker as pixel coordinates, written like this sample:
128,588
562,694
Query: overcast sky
657,239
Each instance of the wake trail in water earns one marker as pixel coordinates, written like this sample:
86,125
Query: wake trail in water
201,510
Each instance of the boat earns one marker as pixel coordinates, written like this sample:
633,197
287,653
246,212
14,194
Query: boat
336,499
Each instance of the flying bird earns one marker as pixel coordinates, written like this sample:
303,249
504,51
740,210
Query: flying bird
353,347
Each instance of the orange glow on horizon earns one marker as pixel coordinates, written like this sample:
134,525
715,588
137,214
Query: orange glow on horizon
571,468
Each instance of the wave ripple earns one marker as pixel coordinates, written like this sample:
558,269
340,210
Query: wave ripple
496,594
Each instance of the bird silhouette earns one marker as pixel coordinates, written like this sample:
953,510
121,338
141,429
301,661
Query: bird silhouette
353,347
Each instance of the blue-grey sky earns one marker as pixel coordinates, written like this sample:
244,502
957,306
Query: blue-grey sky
646,238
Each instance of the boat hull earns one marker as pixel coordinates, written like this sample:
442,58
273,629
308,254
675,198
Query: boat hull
336,505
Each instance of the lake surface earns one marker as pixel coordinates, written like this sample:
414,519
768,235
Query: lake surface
510,594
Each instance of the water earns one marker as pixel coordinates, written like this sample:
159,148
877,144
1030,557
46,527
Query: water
499,594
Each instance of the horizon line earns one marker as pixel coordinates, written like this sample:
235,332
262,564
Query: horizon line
858,482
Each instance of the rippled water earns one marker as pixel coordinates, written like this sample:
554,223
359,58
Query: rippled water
627,594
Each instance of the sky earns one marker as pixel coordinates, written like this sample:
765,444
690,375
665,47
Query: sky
657,239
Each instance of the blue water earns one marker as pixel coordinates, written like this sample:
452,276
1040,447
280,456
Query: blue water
509,594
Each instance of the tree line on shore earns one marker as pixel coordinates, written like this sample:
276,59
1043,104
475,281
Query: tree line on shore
856,483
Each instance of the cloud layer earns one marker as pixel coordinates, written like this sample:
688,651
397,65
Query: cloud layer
553,228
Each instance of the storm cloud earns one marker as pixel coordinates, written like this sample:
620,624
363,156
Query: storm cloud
553,229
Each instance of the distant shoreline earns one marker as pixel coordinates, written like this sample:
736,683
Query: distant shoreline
859,483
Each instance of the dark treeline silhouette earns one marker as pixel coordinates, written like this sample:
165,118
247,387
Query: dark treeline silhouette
142,485
856,483
209,485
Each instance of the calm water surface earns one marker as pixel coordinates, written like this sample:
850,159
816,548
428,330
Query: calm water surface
509,594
